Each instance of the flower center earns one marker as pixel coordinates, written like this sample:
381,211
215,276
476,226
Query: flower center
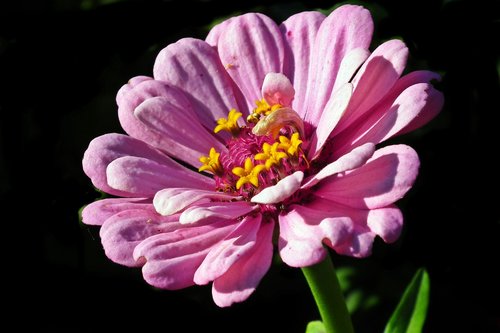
260,153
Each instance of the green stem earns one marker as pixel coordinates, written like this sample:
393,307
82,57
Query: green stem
325,288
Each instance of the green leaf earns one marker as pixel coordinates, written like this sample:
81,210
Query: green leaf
409,316
315,327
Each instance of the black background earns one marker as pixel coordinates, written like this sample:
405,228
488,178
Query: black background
61,64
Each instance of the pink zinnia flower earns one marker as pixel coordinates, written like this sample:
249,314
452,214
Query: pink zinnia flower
259,128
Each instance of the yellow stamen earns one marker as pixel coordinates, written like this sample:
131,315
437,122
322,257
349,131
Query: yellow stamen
270,154
211,162
230,123
248,174
263,109
291,146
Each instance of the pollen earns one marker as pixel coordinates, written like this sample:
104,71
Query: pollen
270,155
230,123
211,162
248,174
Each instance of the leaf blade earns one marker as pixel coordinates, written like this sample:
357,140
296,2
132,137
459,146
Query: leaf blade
410,314
315,327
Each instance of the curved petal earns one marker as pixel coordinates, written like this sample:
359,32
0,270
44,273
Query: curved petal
133,94
401,85
171,259
386,222
334,110
180,133
414,107
359,241
222,256
122,232
148,106
126,88
214,33
109,147
434,104
360,245
299,32
250,47
277,89
346,28
282,190
99,211
194,66
374,80
384,179
172,200
243,277
303,230
215,211
354,159
349,66
145,177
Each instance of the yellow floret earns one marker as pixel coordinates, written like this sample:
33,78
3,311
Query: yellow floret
248,174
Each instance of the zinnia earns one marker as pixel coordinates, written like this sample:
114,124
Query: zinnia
259,129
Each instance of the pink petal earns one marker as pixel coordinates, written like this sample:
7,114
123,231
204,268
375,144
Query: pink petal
99,211
359,241
384,179
416,105
215,211
282,190
133,94
126,88
386,222
243,277
354,159
173,200
346,28
401,85
145,177
194,66
374,80
180,133
145,115
277,89
107,148
172,258
236,245
299,32
303,230
214,33
349,66
434,104
360,245
333,112
250,47
122,232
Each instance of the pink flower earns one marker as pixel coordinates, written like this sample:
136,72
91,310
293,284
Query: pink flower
297,110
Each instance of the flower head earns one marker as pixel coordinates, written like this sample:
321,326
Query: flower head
304,164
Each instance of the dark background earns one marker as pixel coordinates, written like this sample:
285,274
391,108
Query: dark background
61,64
